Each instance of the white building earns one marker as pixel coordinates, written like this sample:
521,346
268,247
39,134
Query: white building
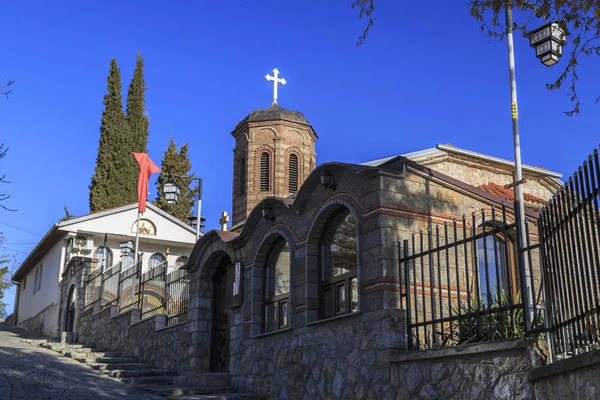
163,238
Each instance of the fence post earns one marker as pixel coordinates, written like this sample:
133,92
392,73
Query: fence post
408,297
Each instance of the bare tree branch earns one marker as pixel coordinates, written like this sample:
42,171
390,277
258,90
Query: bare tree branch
6,93
579,19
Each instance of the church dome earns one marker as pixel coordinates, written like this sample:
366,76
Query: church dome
274,113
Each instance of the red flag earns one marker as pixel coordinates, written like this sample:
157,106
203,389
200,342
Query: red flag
147,168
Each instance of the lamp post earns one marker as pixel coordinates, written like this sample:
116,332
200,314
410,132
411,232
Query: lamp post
548,41
172,192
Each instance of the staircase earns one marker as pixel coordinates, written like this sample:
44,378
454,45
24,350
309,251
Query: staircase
161,382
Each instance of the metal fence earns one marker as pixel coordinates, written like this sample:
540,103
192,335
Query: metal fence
570,239
177,296
463,282
154,292
110,285
128,287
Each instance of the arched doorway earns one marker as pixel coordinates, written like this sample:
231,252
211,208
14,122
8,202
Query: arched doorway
219,360
70,310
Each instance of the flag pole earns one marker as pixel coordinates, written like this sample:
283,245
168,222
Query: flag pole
137,237
135,263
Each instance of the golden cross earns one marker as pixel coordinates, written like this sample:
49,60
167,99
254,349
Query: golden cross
224,220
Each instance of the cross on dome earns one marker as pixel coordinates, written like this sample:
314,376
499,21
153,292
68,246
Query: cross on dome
276,80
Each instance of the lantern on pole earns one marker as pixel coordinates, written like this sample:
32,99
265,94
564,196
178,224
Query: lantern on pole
171,192
548,42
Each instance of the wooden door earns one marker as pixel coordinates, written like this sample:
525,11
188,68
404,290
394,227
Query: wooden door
220,337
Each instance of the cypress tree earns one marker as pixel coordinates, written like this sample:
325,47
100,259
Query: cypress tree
105,187
137,124
178,164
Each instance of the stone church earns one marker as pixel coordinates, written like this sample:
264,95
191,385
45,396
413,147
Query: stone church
300,299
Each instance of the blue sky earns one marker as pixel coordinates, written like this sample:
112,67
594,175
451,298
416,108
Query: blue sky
425,75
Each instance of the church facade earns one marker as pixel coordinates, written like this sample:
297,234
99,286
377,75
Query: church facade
301,299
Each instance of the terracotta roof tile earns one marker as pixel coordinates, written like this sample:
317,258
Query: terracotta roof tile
507,194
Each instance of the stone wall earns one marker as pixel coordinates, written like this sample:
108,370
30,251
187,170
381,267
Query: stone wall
575,377
361,357
127,334
43,322
330,359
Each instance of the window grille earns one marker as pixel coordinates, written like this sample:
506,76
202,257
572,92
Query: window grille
265,171
293,173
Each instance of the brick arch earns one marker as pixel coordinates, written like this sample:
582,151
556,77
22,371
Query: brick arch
302,135
321,214
487,211
264,134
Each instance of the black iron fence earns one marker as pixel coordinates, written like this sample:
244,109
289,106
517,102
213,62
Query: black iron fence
154,292
570,239
463,282
470,280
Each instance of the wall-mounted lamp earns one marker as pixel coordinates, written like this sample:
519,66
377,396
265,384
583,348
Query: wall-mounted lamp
268,213
327,180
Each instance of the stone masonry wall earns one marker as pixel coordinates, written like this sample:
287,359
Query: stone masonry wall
43,322
575,377
163,348
333,359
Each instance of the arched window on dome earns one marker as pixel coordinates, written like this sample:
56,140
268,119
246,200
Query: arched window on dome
242,176
293,173
265,172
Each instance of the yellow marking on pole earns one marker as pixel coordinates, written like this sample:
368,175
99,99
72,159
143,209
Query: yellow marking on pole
513,110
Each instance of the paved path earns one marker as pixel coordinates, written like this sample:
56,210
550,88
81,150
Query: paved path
30,372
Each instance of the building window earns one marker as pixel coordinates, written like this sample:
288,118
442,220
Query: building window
277,288
127,261
338,275
37,283
242,176
265,172
156,260
496,277
293,173
24,284
104,258
181,261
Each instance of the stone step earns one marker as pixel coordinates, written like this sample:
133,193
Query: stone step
218,396
150,380
81,357
212,379
35,342
128,373
80,350
112,360
177,390
109,367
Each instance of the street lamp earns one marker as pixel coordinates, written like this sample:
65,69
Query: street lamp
172,192
548,41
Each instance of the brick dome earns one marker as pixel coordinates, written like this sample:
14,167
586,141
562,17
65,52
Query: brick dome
274,113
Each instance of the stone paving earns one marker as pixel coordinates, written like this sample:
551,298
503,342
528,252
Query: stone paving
31,372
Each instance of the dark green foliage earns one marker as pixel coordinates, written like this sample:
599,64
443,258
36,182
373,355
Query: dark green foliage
115,177
106,187
137,124
6,269
176,164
